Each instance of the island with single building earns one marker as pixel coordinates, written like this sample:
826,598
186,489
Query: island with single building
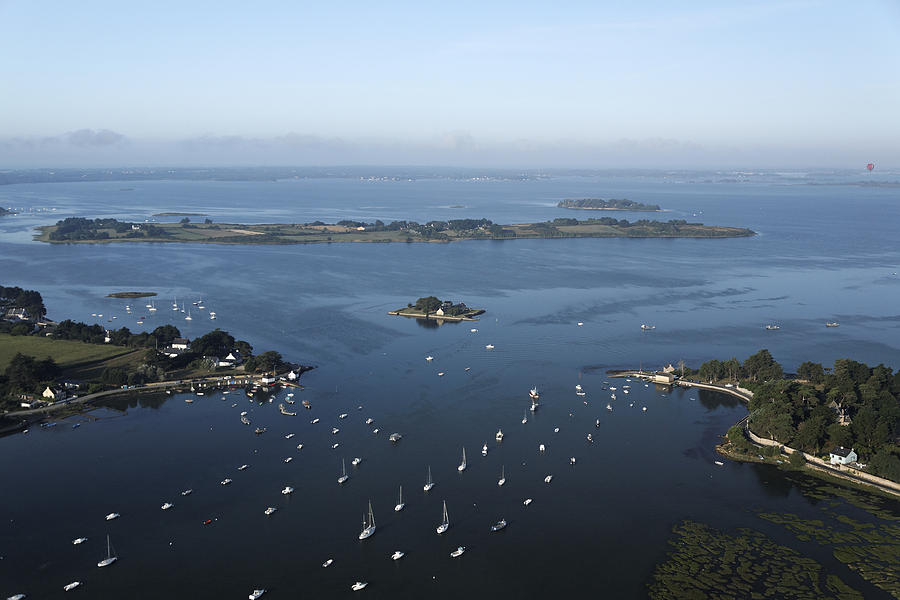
612,204
431,307
82,230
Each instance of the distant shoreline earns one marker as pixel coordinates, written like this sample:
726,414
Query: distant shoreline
110,231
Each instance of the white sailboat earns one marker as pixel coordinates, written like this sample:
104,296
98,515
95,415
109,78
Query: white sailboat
524,418
499,436
445,521
400,504
428,482
368,528
344,477
502,479
189,317
484,449
110,557
397,555
462,465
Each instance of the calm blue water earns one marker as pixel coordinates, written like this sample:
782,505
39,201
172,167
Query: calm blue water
825,252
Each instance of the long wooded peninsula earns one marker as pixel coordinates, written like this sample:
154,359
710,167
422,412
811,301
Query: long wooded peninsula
81,230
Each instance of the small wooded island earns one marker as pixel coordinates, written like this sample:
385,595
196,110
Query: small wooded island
81,230
432,307
612,204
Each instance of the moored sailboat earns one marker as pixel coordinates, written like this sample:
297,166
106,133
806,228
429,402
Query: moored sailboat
368,527
445,521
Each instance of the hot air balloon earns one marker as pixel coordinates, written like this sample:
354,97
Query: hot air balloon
870,166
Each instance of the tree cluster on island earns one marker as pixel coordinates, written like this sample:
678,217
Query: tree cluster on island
611,204
851,405
5,211
80,229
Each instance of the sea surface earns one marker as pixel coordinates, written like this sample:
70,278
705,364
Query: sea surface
826,250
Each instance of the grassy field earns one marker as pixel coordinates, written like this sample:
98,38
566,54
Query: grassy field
73,357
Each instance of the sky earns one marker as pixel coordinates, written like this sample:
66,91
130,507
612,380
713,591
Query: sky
690,84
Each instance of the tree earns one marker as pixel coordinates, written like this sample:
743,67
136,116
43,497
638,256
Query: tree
267,361
215,343
428,304
885,464
762,367
812,372
165,334
797,460
184,221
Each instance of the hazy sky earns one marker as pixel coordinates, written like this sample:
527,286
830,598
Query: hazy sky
596,84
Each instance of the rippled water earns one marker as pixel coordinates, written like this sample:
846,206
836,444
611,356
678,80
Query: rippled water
825,252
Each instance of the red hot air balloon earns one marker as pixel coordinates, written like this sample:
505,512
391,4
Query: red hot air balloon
870,166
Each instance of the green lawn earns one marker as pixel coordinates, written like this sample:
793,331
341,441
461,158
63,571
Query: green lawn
66,353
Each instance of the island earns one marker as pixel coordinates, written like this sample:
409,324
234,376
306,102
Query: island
612,204
131,295
81,230
431,307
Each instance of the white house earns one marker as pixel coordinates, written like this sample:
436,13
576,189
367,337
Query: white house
233,358
52,394
842,456
181,343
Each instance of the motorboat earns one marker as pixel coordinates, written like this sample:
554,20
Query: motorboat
71,586
333,446
527,501
344,477
300,446
645,327
832,324
395,437
270,510
719,463
260,430
356,460
445,521
187,492
327,563
644,409
580,323
441,374
428,482
429,358
289,436
112,516
397,555
335,431
369,421
578,387
288,459
608,407
556,430
458,552
572,460
772,327
359,585
167,506
314,421
225,481
533,393
368,526
541,448
498,525
287,490
499,435
243,467
534,406
256,594
110,557
342,416
548,478
484,450
80,540
399,506
590,438
489,347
